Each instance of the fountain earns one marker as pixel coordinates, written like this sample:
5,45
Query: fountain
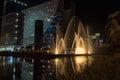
60,46
75,39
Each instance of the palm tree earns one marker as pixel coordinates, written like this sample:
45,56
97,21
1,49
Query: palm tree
112,29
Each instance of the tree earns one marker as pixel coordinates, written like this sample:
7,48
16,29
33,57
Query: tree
112,29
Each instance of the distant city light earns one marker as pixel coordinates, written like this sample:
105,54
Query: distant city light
16,26
97,34
93,37
101,40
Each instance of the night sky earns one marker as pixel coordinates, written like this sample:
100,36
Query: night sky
95,13
91,13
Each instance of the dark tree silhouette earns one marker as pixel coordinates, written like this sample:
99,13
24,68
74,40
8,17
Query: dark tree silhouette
112,29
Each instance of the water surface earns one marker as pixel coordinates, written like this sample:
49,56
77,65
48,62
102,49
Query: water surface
100,67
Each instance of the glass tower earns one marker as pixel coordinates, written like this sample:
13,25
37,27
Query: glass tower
44,12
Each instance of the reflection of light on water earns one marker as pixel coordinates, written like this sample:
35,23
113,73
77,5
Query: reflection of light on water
80,63
14,69
10,59
80,60
71,66
13,76
60,66
79,50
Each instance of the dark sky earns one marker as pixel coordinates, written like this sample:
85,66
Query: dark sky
92,13
95,13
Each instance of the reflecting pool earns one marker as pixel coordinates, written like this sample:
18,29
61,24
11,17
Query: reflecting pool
97,67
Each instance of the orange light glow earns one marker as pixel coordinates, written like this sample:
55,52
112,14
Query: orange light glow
80,51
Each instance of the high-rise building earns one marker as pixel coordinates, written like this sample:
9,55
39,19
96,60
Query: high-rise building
38,33
54,18
44,12
12,31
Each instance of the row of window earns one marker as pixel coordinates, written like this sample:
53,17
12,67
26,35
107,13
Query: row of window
16,26
19,2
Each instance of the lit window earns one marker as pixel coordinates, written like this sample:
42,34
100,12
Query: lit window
16,31
48,19
16,26
25,4
18,2
16,20
17,14
32,34
51,26
22,3
15,37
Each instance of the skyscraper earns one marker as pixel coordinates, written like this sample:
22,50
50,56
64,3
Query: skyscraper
54,17
12,31
44,12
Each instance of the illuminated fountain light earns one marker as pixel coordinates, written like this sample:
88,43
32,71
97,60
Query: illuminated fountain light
80,51
75,40
81,42
79,45
60,46
79,63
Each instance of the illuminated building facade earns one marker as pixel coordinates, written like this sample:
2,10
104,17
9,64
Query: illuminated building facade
55,20
44,12
52,17
12,31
